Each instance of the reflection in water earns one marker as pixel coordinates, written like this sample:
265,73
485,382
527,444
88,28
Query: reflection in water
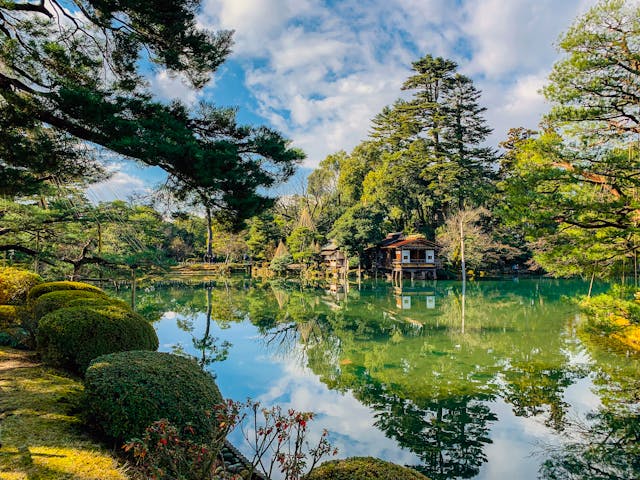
430,360
607,444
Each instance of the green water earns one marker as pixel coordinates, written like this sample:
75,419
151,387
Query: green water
405,376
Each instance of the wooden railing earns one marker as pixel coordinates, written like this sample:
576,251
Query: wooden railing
397,263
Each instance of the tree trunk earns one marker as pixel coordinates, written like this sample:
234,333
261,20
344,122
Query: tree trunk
462,261
593,274
133,289
464,274
203,360
209,255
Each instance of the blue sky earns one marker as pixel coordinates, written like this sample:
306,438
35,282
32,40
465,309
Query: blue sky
318,71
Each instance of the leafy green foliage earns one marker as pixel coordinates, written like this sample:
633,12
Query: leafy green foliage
263,236
55,59
595,86
72,337
281,263
573,187
363,468
358,228
128,391
615,303
15,284
303,244
432,158
48,287
576,205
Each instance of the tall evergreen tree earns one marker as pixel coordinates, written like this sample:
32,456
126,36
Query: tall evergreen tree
463,134
432,152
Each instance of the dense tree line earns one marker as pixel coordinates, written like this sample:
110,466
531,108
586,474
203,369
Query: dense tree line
563,198
61,233
424,162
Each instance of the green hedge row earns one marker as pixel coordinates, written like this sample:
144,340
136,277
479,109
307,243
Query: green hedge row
51,301
126,392
363,468
48,287
71,337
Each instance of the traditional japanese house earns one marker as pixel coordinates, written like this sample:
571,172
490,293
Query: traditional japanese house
334,259
400,256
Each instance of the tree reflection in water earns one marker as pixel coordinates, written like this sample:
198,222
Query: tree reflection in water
430,384
606,445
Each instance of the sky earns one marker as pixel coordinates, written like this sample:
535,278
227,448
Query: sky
319,71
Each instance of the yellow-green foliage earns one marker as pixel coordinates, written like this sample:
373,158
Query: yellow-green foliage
51,301
363,468
15,284
126,392
614,316
71,337
39,435
43,288
8,316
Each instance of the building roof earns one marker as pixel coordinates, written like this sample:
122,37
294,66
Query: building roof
329,247
390,238
411,239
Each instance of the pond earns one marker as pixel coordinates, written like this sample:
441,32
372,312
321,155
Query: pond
400,373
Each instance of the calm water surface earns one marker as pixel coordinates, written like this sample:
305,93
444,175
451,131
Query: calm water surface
401,374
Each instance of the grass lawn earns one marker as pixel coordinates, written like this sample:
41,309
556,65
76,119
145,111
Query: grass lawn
40,433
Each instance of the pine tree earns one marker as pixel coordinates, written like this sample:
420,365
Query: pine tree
432,156
463,133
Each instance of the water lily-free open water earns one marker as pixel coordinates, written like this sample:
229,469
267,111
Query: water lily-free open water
399,373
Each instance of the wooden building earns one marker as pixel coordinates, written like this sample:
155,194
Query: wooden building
334,259
402,256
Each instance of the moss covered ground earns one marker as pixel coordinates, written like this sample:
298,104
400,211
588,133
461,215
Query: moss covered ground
40,433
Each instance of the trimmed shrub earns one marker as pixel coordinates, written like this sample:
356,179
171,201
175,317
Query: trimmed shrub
126,392
363,468
51,301
9,316
71,337
47,287
15,284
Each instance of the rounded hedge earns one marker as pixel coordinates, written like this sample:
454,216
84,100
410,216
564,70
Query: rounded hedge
52,301
47,287
126,392
71,337
363,468
15,284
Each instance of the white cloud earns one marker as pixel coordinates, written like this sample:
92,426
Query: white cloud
518,103
320,72
120,186
340,413
169,86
